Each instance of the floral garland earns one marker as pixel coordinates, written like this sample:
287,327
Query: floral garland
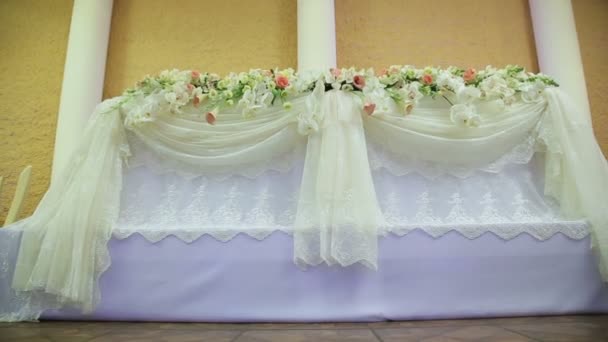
259,89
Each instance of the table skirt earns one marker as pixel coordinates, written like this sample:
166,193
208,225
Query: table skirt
419,277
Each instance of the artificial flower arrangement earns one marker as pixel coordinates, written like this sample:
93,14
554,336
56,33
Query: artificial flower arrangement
259,89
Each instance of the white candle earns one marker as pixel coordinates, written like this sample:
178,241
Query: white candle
83,75
557,48
316,35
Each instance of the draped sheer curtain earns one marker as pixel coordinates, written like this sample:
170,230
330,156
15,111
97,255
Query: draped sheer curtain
338,217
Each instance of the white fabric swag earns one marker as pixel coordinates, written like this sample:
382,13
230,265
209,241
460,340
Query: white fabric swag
64,251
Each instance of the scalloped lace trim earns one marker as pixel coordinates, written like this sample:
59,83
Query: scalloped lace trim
541,231
189,236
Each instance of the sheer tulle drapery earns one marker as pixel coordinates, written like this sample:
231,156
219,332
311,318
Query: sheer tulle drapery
338,217
63,248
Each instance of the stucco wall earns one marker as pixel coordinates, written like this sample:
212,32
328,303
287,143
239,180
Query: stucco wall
217,36
33,38
438,32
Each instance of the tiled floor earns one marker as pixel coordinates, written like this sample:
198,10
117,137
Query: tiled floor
560,328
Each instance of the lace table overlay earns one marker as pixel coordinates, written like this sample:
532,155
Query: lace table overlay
506,204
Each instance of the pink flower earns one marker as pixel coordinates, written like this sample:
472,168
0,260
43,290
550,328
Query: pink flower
282,81
210,118
369,108
469,75
394,70
359,81
427,79
196,74
383,72
190,87
336,72
196,101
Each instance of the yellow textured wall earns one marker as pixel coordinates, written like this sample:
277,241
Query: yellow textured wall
592,26
214,35
439,32
33,38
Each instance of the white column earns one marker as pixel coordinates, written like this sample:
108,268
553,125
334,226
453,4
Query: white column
83,74
316,35
557,47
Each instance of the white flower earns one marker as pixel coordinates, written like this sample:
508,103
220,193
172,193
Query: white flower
308,120
455,83
389,79
197,92
464,115
372,84
171,97
531,92
444,79
254,99
468,94
380,97
333,76
412,92
496,86
305,80
142,110
307,123
348,76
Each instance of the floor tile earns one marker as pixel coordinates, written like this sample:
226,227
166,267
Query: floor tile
566,331
36,332
430,323
160,335
432,334
264,326
308,335
548,328
410,333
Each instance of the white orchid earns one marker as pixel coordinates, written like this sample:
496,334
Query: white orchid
468,94
496,86
412,92
444,79
531,92
465,115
